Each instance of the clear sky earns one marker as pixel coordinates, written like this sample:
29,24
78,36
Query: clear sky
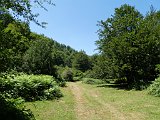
74,22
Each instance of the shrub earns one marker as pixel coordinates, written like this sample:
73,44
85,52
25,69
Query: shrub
93,81
13,109
89,74
61,82
154,88
67,75
77,79
30,87
119,81
77,73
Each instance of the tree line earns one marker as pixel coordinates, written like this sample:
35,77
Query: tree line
128,43
25,51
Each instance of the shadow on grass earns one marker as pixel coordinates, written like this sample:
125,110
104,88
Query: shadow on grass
123,86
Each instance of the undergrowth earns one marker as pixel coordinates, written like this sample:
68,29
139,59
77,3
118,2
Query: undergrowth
154,88
93,81
29,87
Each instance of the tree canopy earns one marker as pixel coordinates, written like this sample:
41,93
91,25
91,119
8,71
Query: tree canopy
131,42
23,9
81,61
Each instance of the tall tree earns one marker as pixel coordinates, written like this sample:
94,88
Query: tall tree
131,42
13,42
38,58
102,67
81,61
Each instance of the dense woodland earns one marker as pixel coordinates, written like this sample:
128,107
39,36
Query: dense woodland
33,66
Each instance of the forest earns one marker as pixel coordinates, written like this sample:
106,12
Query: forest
34,67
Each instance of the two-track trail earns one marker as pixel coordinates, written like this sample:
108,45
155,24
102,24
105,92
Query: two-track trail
89,105
96,102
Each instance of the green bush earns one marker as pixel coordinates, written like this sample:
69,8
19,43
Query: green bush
119,81
93,81
77,79
89,74
13,109
30,87
67,74
61,82
77,73
154,88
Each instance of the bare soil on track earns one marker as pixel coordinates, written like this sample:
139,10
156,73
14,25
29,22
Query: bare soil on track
89,106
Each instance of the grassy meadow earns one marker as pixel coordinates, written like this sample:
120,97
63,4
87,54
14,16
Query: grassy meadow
62,109
98,102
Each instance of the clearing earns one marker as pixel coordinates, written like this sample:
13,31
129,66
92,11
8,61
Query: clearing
92,102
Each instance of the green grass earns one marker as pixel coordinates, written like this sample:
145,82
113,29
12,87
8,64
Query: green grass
93,81
100,102
62,109
133,104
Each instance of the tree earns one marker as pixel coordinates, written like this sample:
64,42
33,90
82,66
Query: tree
61,54
58,57
102,68
14,42
81,61
131,42
23,8
38,58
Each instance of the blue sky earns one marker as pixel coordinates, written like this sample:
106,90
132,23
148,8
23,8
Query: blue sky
74,22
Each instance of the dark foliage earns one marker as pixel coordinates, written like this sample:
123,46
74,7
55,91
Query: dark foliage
14,110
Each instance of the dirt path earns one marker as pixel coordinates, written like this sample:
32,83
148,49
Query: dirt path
82,113
89,106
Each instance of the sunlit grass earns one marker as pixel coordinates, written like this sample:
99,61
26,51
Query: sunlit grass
62,109
133,104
